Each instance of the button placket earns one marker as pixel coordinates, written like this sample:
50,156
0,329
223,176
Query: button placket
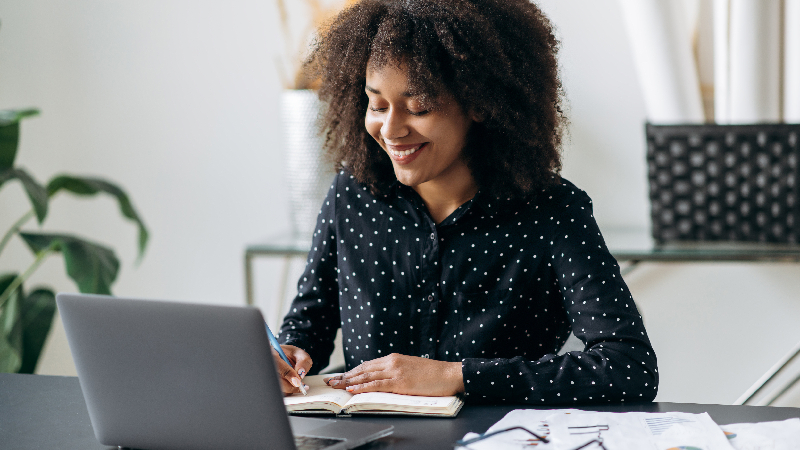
429,309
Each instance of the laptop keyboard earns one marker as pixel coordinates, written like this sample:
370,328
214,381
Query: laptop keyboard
314,443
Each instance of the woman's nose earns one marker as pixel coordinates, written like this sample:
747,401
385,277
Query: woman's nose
394,126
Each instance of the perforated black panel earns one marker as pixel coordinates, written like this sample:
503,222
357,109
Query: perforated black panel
724,182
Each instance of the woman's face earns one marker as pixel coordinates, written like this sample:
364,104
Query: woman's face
424,141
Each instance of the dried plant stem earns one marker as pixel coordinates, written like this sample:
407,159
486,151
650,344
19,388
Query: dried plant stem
28,272
14,228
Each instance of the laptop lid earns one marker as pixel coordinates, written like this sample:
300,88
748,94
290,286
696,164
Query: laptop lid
168,375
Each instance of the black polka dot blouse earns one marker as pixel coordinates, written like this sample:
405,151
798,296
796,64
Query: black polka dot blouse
497,285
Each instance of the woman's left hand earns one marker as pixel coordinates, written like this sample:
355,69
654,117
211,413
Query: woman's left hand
402,374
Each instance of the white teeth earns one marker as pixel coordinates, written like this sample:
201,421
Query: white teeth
405,153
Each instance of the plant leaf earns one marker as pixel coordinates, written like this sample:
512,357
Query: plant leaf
91,266
10,331
92,186
36,192
9,134
38,309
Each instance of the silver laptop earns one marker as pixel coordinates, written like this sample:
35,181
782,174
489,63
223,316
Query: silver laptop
167,375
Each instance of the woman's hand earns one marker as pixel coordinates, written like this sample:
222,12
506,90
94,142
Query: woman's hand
292,377
402,374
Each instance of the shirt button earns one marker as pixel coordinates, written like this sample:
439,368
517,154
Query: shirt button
430,298
433,236
426,355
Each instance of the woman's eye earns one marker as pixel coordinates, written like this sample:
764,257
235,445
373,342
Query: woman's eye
413,113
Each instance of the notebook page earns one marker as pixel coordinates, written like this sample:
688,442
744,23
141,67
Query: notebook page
318,392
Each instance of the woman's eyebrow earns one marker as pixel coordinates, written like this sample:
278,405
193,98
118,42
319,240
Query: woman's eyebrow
377,92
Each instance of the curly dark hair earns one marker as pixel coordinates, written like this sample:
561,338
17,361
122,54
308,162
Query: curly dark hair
497,58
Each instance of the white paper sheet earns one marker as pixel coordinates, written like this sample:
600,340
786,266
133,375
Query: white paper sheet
567,429
639,431
783,435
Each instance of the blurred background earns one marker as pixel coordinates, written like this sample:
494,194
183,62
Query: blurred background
178,101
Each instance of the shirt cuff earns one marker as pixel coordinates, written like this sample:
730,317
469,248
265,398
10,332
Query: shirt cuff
488,380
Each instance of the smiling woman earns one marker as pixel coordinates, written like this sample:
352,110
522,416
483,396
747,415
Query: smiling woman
495,59
448,250
424,142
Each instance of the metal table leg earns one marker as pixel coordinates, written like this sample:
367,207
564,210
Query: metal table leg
768,376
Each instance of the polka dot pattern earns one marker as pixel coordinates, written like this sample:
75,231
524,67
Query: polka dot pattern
498,285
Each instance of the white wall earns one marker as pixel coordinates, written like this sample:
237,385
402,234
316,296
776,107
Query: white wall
177,101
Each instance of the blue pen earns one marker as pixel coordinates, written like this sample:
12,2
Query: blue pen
278,348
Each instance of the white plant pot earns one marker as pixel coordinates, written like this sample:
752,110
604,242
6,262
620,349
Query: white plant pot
307,176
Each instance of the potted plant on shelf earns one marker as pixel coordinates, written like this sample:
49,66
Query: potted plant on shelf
26,315
308,175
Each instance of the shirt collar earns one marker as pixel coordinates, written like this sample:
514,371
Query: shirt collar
488,204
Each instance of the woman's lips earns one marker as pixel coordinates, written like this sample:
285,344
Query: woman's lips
404,154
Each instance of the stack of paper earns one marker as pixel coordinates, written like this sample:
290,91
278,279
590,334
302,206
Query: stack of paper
571,428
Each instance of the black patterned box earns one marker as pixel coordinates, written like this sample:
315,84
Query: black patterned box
724,182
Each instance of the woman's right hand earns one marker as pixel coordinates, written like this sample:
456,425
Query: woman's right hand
291,377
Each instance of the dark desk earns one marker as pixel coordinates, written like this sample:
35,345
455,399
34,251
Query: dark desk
40,412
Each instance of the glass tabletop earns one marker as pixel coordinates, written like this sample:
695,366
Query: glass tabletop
626,244
638,244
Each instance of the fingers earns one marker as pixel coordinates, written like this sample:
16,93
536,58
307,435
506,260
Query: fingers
367,377
340,381
368,382
384,385
402,374
336,382
287,388
302,360
368,367
367,372
290,380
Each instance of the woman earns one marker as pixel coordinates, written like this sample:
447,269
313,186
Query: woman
448,249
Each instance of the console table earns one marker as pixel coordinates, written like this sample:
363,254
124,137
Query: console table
630,246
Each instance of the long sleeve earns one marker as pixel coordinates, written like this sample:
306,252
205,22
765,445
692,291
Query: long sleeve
313,318
618,363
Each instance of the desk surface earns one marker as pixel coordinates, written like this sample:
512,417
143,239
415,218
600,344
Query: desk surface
39,412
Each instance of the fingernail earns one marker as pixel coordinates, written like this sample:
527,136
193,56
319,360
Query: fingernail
305,386
296,382
333,383
302,373
350,388
326,380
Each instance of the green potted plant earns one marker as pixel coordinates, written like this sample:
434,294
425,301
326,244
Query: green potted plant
26,315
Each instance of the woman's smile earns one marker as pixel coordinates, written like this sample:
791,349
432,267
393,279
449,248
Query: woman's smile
404,154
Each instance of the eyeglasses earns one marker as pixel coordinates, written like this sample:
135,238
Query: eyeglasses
597,440
466,442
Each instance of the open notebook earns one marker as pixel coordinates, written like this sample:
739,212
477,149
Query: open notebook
323,399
